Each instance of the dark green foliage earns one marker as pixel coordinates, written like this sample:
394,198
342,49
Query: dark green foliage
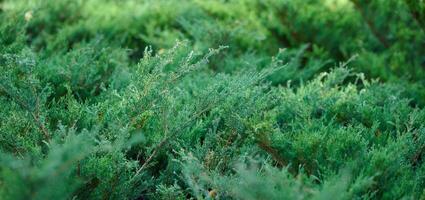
214,99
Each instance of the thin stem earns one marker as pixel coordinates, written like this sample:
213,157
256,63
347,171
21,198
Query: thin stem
370,24
167,138
34,114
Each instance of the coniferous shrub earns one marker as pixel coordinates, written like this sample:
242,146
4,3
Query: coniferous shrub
241,99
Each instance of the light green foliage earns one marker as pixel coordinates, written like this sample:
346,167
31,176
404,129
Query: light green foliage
212,99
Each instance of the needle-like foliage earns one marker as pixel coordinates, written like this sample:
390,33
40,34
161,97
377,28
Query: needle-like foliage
212,99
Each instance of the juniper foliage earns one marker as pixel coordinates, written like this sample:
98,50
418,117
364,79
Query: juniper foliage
241,99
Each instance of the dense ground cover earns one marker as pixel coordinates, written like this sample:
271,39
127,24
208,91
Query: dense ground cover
212,99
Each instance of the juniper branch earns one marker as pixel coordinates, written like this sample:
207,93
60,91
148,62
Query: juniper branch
35,114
